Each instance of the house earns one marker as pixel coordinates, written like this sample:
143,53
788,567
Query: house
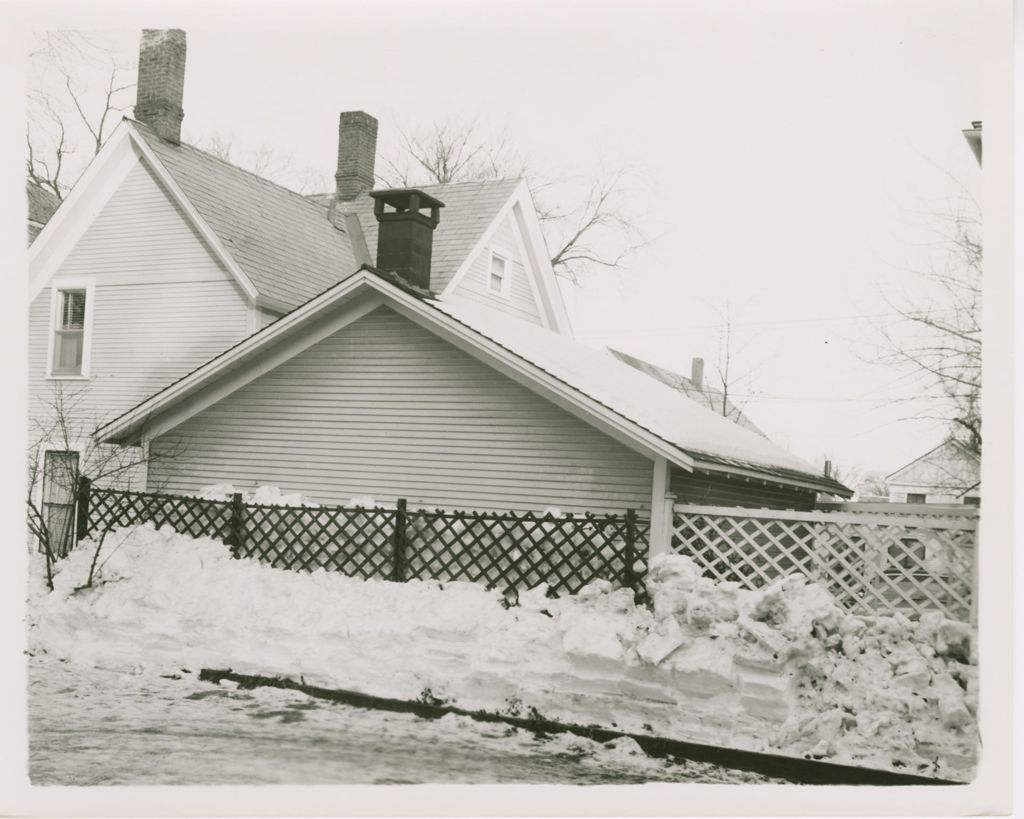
948,473
42,204
695,387
405,343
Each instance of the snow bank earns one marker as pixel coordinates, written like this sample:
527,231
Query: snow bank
267,495
784,669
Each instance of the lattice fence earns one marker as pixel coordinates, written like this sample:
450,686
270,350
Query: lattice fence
522,550
873,563
500,550
101,509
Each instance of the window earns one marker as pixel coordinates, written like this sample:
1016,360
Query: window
915,497
498,281
72,303
60,476
969,501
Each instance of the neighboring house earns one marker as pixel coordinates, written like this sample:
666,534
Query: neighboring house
949,473
238,332
694,387
41,206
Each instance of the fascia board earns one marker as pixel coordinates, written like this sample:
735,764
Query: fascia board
80,208
199,222
115,430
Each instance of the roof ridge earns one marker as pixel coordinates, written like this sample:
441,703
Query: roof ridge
304,197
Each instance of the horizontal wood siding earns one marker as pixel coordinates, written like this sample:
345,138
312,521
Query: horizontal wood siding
715,489
163,305
386,409
473,286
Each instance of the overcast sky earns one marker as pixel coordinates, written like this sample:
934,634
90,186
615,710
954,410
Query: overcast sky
788,155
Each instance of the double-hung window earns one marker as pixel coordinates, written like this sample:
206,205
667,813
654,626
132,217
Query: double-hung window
71,330
498,281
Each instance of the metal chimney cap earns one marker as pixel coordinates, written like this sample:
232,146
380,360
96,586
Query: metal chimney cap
403,199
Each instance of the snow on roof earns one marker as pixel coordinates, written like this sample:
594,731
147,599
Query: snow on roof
657,407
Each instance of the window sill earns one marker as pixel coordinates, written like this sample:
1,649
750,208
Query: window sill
67,378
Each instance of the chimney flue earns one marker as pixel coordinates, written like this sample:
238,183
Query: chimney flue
405,234
161,81
357,149
697,373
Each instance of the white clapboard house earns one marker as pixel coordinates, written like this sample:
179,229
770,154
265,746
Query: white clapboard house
402,343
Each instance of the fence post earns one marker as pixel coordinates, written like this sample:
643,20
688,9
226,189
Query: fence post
628,571
399,543
83,496
236,524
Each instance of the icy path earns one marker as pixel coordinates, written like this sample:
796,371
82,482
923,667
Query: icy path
89,726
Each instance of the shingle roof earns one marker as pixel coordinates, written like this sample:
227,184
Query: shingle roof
705,395
469,208
281,240
42,204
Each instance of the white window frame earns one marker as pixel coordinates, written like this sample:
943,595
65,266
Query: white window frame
88,284
505,291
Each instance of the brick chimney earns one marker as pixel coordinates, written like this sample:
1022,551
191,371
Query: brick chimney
697,373
161,83
405,236
357,149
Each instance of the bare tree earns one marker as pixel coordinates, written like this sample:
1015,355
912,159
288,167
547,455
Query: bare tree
728,385
61,454
598,229
69,119
937,337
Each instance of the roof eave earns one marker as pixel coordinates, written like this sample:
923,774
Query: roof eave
752,472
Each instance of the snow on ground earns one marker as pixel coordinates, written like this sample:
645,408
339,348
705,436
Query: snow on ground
783,669
93,726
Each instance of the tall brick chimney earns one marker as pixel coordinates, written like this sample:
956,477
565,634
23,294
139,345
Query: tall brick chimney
161,83
405,235
357,149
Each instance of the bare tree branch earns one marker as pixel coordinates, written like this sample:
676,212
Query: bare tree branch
598,231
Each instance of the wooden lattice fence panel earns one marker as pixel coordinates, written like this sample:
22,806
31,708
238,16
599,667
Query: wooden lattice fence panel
351,540
109,509
522,550
500,550
874,564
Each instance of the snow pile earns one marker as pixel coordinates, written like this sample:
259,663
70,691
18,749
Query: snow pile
782,669
265,495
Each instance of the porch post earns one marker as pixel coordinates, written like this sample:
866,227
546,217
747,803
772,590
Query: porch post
660,508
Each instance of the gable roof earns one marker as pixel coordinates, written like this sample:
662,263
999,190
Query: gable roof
949,451
281,240
284,241
648,415
704,394
469,209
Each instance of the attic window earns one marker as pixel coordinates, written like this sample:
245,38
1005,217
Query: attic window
72,325
498,280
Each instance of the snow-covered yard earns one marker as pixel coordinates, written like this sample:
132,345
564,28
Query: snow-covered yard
782,670
94,726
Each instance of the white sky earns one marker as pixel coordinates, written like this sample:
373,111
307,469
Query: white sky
789,150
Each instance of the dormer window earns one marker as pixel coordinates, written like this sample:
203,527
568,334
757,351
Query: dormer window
498,279
72,328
